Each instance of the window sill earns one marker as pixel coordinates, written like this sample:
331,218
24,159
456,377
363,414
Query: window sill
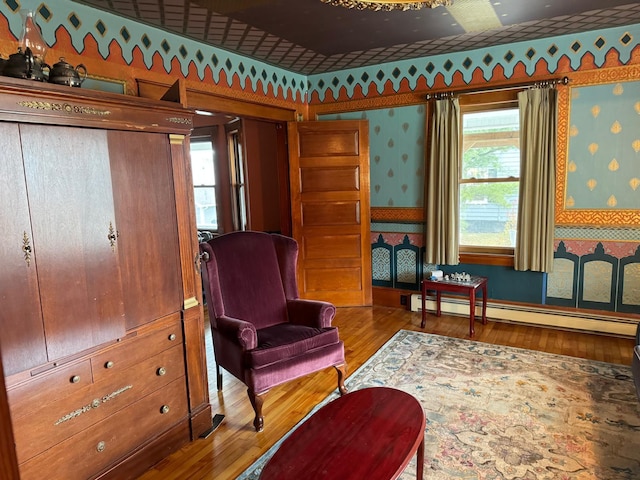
475,258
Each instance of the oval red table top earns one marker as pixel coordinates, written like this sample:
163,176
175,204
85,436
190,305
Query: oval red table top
366,434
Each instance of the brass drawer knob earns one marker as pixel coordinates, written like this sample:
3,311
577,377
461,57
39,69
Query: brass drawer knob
101,446
75,379
109,364
161,371
164,409
172,337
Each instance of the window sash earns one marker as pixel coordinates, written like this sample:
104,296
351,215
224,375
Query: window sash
486,254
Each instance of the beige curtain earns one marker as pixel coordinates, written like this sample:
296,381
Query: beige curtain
538,120
441,186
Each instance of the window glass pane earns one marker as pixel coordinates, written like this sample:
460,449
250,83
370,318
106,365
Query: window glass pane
202,164
489,178
205,200
488,214
490,144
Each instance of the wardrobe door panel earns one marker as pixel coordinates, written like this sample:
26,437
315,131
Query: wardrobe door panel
75,236
22,338
145,210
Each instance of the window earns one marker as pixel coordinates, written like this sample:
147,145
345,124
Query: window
204,183
238,186
489,178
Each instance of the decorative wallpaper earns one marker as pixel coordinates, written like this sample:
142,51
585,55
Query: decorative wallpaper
603,156
396,146
195,60
516,60
595,275
176,55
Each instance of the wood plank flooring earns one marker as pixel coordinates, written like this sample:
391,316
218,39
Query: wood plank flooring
235,445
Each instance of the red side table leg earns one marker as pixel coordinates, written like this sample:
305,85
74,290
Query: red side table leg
424,308
484,303
472,311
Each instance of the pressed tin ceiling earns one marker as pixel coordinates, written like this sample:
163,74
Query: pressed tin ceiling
312,37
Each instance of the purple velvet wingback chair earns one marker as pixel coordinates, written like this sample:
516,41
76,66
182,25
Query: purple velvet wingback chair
263,334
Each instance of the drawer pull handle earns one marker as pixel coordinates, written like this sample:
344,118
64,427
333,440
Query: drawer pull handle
172,337
101,446
161,371
164,409
75,379
109,364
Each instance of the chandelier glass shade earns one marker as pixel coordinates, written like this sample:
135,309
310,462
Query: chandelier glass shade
379,5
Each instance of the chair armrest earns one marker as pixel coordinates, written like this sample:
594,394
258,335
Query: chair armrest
240,332
312,313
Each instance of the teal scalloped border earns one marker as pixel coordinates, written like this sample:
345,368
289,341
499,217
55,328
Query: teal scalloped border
550,50
81,21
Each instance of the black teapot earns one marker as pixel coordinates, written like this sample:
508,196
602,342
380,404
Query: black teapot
64,73
25,65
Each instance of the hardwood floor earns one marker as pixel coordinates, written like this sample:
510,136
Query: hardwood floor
235,445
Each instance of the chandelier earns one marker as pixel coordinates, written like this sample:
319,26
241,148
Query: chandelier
379,5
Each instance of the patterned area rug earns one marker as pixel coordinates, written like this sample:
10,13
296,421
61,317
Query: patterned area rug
497,412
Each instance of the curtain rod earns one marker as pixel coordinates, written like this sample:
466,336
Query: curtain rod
542,83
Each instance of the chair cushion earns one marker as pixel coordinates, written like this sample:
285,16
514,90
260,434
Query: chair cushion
283,341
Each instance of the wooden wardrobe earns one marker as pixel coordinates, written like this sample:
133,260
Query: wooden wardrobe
101,322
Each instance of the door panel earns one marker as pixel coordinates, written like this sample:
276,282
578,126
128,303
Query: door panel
22,338
72,216
146,215
329,172
330,179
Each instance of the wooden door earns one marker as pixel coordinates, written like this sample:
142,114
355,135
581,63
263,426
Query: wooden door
74,236
22,337
146,215
329,172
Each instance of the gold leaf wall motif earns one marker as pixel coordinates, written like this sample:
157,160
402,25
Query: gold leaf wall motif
593,148
573,131
636,145
592,184
612,202
637,107
595,111
614,165
570,201
616,127
572,167
618,89
635,183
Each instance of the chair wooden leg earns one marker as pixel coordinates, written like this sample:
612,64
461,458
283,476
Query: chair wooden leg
342,373
218,378
256,403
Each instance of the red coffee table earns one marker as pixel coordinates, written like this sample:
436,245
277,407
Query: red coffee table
368,434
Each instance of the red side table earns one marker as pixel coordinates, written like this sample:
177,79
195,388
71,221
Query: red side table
470,288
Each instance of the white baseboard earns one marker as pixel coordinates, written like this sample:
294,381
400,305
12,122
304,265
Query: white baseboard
545,317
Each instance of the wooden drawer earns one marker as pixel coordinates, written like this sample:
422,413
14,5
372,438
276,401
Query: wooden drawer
47,424
94,449
113,360
49,387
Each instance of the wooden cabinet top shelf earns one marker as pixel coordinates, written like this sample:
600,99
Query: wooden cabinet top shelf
39,102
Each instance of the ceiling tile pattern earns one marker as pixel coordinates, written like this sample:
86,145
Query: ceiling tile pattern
310,37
